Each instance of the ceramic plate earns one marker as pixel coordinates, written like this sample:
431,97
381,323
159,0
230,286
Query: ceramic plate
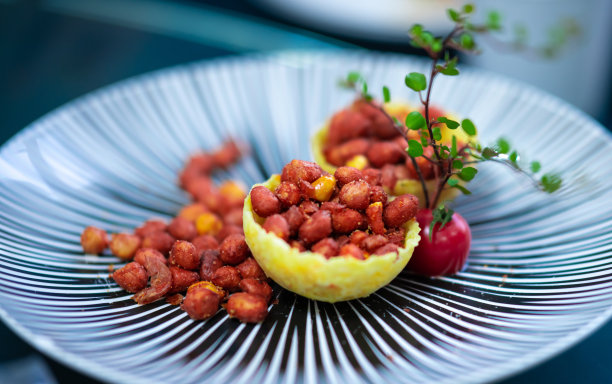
538,279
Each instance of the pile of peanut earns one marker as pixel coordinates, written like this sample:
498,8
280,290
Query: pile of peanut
362,136
345,214
201,251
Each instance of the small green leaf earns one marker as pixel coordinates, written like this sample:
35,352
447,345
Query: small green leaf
395,120
386,94
437,135
489,153
452,182
364,88
457,164
494,21
440,215
468,8
451,124
436,46
449,71
463,189
415,120
467,173
453,15
353,77
415,149
468,127
503,146
550,182
535,166
513,158
467,41
424,141
416,29
416,81
454,152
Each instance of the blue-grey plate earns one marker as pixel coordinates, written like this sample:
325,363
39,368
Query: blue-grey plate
539,276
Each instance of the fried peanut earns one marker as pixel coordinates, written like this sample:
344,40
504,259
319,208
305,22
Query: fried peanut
247,307
182,229
380,124
307,190
387,248
357,237
192,211
143,253
160,282
229,230
355,194
373,242
294,217
264,202
233,192
199,187
346,124
298,170
332,206
277,225
184,254
351,250
94,240
388,179
347,220
150,226
372,176
342,240
345,175
209,263
233,217
210,286
234,249
200,303
288,193
227,277
208,224
161,241
257,287
400,210
378,195
132,277
338,155
397,237
182,279
374,214
250,269
327,247
384,152
205,242
315,228
308,207
124,245
226,155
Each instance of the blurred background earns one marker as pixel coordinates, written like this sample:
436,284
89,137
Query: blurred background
52,51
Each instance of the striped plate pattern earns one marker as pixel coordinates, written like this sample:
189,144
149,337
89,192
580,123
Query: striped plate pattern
539,276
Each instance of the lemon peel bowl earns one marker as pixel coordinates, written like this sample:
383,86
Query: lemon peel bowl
310,274
398,110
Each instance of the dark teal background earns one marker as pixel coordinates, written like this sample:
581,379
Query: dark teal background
54,51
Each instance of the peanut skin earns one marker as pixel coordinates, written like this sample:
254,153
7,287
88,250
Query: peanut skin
356,195
316,227
132,277
400,210
264,202
277,225
247,307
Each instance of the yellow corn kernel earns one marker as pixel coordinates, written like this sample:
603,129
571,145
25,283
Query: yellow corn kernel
232,189
208,224
192,211
208,285
324,187
358,161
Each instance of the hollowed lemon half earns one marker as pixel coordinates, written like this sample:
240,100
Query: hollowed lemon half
403,186
313,276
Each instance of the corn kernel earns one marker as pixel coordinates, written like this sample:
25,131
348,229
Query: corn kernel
324,187
358,161
232,189
208,285
192,211
208,224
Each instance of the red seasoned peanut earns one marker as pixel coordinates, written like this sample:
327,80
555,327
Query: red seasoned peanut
384,152
204,242
345,175
229,230
200,303
162,241
375,218
315,228
327,247
380,124
182,229
227,277
400,210
373,242
150,226
342,240
377,194
161,282
257,287
340,154
295,217
132,277
210,262
332,206
397,237
347,220
182,279
309,207
356,195
351,250
388,178
247,308
234,249
372,176
143,253
346,124
94,240
199,186
357,237
184,254
124,245
288,193
233,217
277,225
210,286
249,269
225,156
192,211
387,248
307,190
264,202
298,170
